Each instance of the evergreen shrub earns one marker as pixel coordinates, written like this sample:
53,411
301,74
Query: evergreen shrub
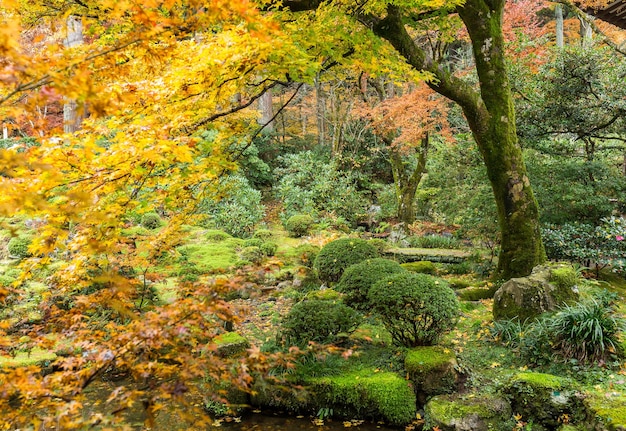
252,254
269,248
318,320
336,256
358,279
18,247
263,234
151,221
253,242
299,225
415,308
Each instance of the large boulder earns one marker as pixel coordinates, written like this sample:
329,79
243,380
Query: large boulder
545,399
467,413
545,289
433,371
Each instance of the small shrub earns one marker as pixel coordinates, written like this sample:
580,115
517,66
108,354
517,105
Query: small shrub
338,255
263,234
415,308
318,320
215,235
151,221
253,242
299,225
6,281
358,279
18,247
305,254
422,267
460,268
269,248
252,254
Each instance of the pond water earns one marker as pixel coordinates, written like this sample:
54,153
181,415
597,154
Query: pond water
262,422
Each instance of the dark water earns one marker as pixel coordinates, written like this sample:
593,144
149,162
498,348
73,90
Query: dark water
262,422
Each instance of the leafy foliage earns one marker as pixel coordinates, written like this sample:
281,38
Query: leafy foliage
299,225
358,279
415,308
336,256
18,246
319,321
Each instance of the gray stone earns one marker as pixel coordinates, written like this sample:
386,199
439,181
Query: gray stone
468,413
528,297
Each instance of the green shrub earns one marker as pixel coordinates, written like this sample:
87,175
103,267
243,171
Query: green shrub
318,320
336,256
18,247
358,279
587,331
415,308
269,248
299,225
6,280
263,234
252,254
236,209
421,267
253,242
305,254
151,221
215,235
434,241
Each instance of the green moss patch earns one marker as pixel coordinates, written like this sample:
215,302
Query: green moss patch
609,410
422,267
432,370
212,256
230,344
478,413
24,359
367,394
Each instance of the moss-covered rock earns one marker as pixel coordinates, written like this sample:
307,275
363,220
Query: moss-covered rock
230,344
545,399
432,370
469,413
366,394
475,293
607,412
528,297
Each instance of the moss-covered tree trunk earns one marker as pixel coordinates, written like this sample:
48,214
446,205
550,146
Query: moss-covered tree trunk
491,117
407,181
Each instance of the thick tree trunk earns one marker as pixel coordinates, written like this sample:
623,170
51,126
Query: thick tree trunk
406,182
71,115
491,117
267,112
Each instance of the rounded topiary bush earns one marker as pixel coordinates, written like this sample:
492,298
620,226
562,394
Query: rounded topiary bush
415,308
336,256
357,280
151,221
252,254
299,225
269,248
253,242
318,320
263,234
18,247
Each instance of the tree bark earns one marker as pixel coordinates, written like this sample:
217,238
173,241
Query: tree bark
560,39
71,116
491,117
267,112
406,182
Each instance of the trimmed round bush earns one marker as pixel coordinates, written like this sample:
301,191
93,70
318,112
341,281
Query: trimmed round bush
216,235
252,254
336,256
269,248
18,247
305,254
318,320
151,221
357,280
263,234
253,242
299,225
415,308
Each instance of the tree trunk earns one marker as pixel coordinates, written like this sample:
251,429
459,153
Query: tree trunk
71,116
406,182
586,32
491,117
558,12
267,112
320,112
